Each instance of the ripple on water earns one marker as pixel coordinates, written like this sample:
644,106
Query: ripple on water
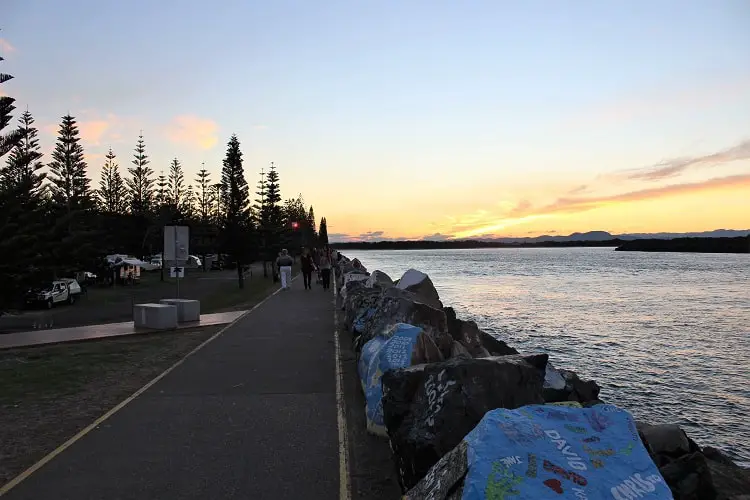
665,335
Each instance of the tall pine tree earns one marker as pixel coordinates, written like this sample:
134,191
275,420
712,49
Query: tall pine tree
18,231
69,184
203,194
141,183
23,167
272,216
176,188
236,201
323,232
111,192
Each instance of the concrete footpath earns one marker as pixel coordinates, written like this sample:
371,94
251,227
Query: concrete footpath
251,415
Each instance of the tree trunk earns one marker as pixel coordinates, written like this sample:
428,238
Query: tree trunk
240,275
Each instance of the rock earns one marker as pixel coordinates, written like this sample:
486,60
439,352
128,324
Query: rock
717,455
495,346
429,408
399,306
349,278
471,337
358,265
445,480
358,305
459,351
553,379
420,284
580,390
379,279
527,452
689,478
399,346
665,442
730,481
477,342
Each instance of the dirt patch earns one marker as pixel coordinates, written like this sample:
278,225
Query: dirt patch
48,394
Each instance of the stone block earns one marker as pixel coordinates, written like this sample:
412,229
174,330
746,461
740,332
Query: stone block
155,316
187,309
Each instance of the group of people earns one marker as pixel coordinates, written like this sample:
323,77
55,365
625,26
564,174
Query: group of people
315,260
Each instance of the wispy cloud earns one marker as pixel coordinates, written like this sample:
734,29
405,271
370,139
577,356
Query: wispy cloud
675,166
193,131
93,131
437,237
569,205
6,47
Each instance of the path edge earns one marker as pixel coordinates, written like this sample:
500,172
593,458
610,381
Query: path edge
67,444
344,476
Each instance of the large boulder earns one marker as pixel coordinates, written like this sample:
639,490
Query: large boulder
690,472
420,284
399,346
352,281
400,306
543,452
477,342
429,408
359,303
574,388
379,279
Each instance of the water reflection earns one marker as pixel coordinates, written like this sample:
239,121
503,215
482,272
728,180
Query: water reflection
666,335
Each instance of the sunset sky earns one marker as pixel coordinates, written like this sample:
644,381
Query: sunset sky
410,119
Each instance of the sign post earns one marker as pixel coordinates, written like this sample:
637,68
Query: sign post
176,251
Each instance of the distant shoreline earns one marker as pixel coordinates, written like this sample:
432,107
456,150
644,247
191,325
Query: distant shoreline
688,245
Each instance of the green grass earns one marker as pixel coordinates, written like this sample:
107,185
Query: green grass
61,370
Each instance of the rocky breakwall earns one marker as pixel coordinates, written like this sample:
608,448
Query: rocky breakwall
468,416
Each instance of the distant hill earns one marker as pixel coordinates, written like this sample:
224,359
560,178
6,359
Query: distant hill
588,239
738,244
604,236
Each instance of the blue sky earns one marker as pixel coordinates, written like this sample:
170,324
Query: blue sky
440,110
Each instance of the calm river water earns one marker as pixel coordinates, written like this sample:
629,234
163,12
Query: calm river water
666,335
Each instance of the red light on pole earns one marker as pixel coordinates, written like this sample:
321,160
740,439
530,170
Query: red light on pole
295,225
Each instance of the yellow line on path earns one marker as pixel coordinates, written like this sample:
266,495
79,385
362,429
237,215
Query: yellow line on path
41,463
344,486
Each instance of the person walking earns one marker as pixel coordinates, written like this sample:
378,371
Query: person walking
325,270
307,264
284,263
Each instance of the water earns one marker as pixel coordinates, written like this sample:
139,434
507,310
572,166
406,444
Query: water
666,335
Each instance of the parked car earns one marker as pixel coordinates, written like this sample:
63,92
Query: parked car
56,292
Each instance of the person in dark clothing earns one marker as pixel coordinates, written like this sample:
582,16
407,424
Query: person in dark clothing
308,265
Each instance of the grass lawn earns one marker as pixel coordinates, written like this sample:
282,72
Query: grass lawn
48,394
218,291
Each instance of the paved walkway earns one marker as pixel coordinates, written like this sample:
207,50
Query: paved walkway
251,415
77,333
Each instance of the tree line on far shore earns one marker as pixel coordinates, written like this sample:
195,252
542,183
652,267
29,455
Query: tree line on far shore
54,222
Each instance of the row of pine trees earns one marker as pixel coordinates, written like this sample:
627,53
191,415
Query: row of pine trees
53,222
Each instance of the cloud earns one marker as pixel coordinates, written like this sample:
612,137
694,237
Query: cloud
437,237
93,131
371,235
6,47
193,131
570,205
675,166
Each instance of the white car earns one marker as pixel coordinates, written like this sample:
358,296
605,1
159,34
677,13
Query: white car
56,292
